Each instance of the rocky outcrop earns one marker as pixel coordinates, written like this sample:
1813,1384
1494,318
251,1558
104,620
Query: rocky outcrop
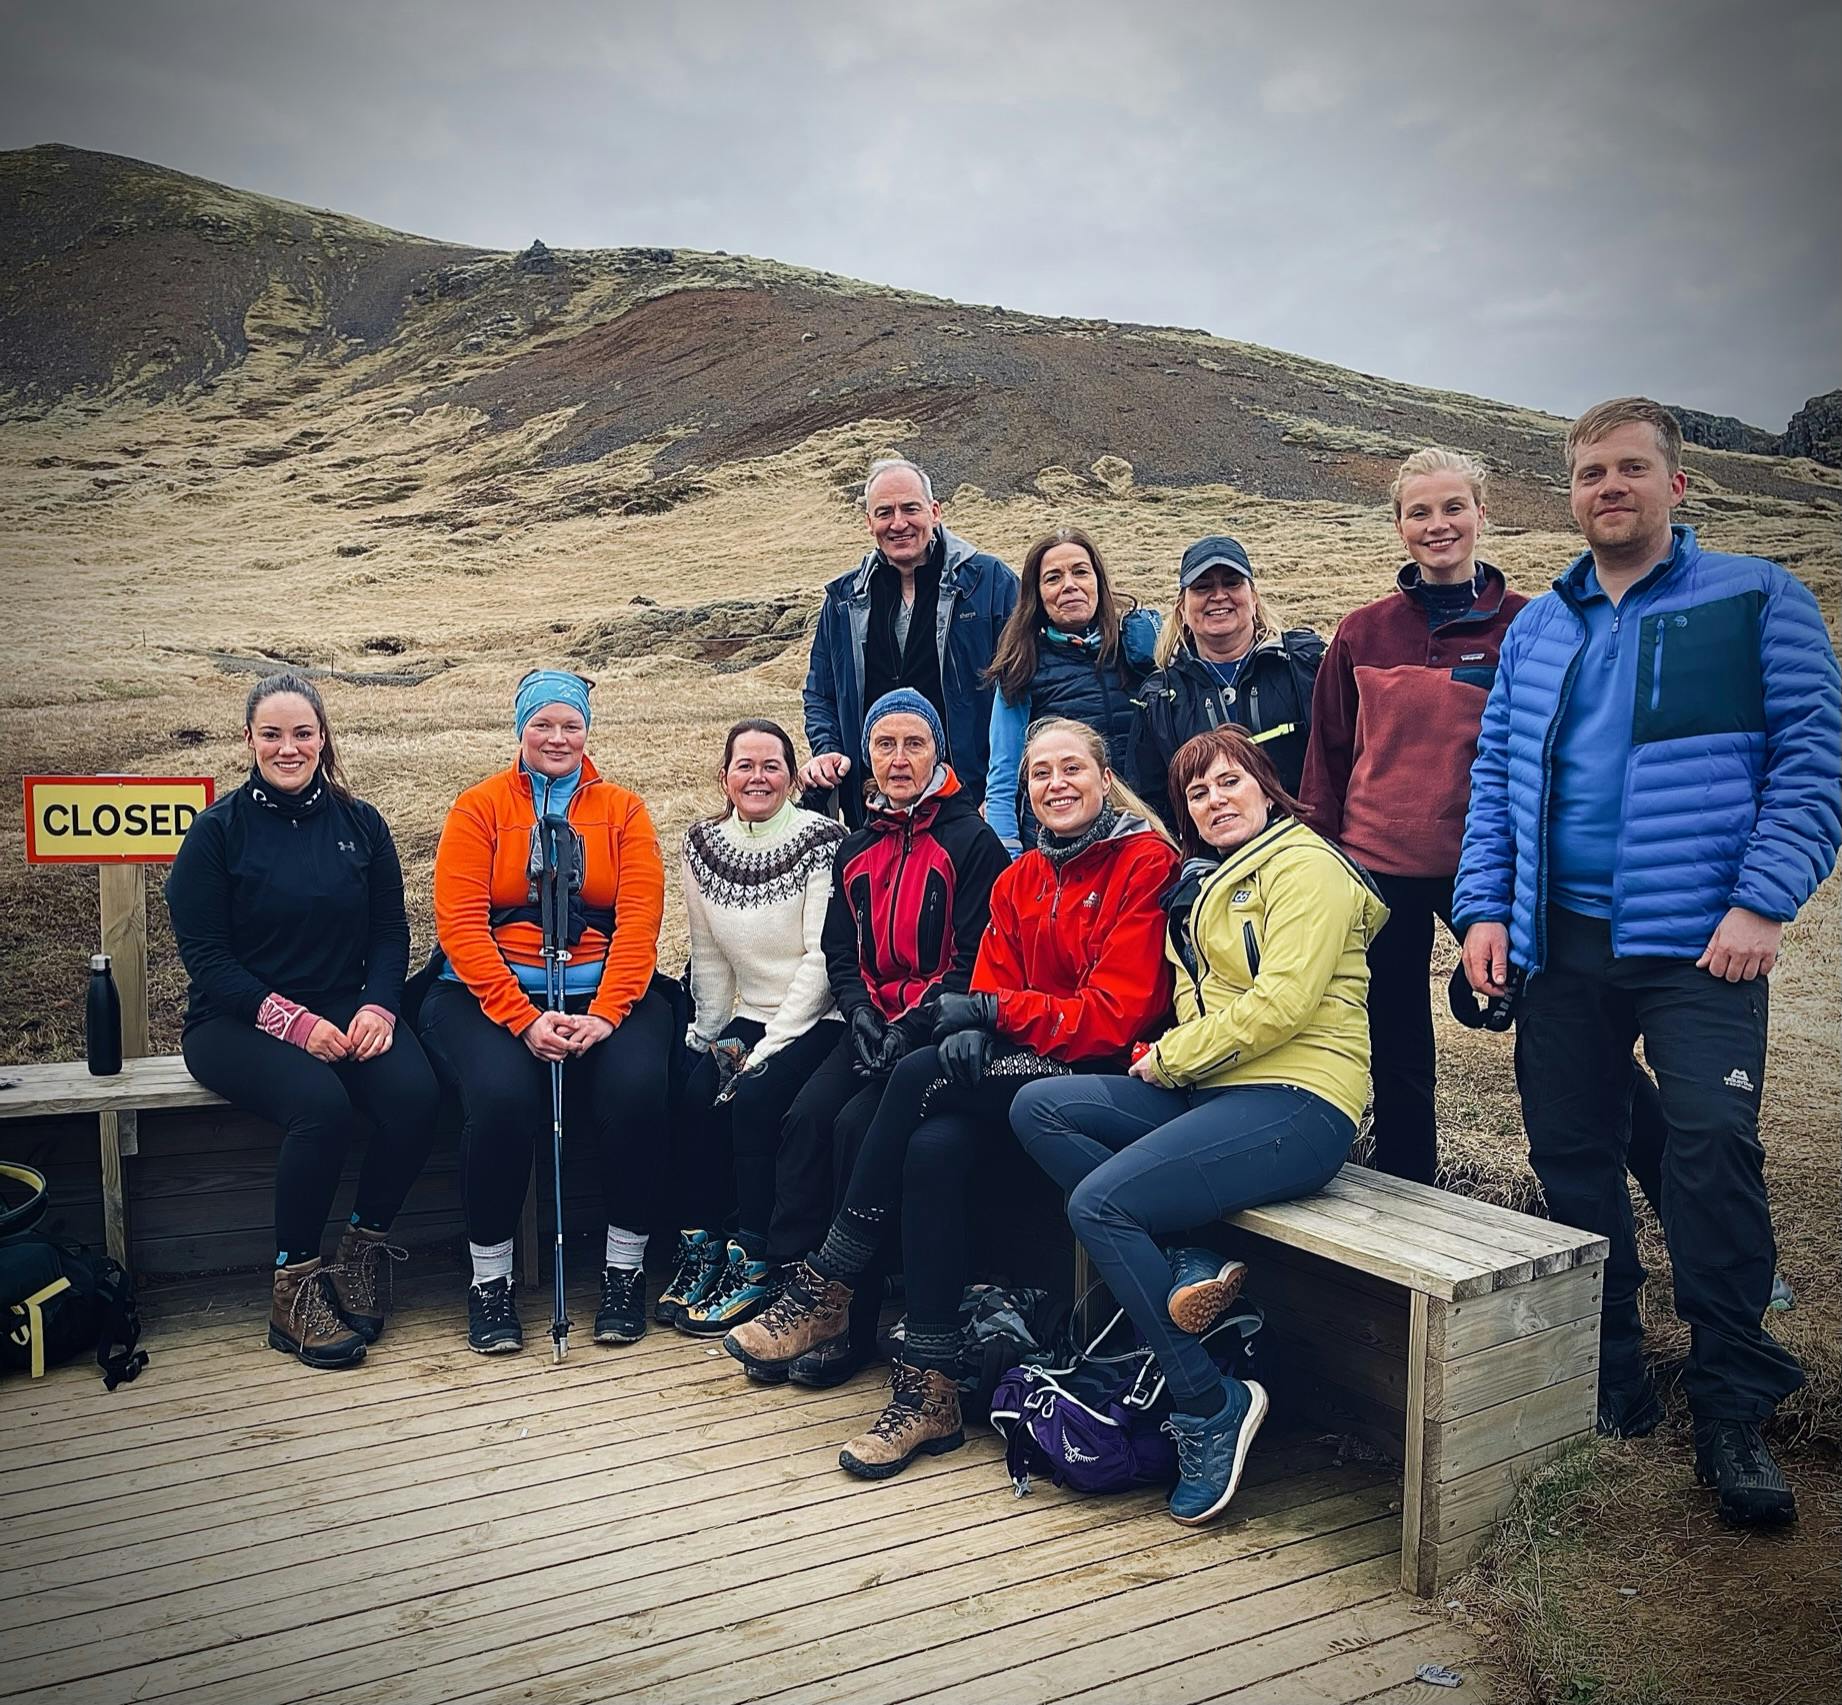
1816,431
731,634
1724,432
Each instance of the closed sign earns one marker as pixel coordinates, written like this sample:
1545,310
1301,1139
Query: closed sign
111,819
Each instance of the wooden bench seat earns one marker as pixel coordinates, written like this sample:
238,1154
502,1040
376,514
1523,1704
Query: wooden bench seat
157,1083
1460,1335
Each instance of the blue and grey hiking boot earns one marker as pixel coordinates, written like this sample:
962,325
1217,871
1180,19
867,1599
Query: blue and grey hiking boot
493,1327
1203,1287
700,1260
1732,1458
743,1288
621,1318
1211,1453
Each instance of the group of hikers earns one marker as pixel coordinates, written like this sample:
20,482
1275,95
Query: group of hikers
1159,900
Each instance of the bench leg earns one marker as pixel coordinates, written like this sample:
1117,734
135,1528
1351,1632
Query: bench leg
118,1137
1497,1386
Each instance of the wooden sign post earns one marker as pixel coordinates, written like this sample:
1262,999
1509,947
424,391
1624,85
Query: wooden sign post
117,823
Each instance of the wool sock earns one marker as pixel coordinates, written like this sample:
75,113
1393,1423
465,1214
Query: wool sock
850,1243
491,1261
935,1347
626,1248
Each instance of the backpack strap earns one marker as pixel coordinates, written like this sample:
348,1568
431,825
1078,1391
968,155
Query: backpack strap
121,1324
33,1308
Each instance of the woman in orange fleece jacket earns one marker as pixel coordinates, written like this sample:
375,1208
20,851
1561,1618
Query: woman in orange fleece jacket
483,1020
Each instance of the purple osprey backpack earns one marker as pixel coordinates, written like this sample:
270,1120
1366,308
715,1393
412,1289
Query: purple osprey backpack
1096,1423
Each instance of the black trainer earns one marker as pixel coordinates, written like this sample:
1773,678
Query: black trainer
621,1318
493,1326
1629,1409
1732,1458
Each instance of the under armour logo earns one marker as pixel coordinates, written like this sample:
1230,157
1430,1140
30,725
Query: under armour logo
1737,1079
348,846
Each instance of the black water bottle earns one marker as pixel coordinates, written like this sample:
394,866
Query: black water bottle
102,1020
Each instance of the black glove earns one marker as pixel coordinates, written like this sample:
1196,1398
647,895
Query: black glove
897,1043
867,1034
963,1054
965,1012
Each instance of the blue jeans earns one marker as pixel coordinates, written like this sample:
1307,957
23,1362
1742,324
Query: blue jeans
1141,1163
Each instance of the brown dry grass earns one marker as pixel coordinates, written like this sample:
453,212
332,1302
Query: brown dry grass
139,541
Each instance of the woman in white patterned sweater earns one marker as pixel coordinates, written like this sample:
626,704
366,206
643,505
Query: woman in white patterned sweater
757,880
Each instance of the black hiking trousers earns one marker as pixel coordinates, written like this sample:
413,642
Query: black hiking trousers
1705,1039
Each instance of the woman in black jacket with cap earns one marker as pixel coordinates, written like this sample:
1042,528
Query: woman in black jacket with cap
1222,658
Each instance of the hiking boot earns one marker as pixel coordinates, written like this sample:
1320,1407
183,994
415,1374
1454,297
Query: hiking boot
304,1319
493,1327
1629,1407
1211,1453
361,1279
1732,1458
621,1318
832,1363
742,1290
700,1260
807,1315
1203,1287
921,1419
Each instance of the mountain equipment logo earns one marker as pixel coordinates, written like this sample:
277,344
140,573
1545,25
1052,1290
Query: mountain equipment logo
1737,1079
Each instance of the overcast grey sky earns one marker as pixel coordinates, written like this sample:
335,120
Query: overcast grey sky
1544,201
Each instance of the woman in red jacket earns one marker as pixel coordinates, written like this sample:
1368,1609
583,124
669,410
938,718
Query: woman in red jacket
1070,973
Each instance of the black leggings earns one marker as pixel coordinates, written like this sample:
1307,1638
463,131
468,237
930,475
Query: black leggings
781,1192
316,1105
925,1167
614,1096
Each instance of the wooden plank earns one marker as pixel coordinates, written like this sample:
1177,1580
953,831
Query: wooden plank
1483,1497
1154,1636
1419,1501
1478,1323
123,889
1302,1225
1267,1657
1383,1227
46,1089
1323,1295
1516,1369
1533,1241
1460,1447
1370,1667
1479,1213
1441,1561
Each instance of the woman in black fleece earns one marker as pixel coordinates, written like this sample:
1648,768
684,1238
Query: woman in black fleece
287,904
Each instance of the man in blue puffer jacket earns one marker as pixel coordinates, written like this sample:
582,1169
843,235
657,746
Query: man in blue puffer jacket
1657,790
923,610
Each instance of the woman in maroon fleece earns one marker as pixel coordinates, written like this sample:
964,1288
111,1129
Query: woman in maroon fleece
1394,721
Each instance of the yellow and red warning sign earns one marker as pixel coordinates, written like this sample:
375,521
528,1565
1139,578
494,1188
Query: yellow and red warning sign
111,819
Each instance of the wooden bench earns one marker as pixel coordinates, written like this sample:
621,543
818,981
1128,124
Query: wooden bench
1461,1336
155,1084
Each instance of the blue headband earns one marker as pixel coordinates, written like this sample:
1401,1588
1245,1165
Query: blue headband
550,686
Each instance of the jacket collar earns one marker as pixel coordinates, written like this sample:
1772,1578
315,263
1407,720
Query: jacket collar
1490,590
1683,549
942,786
522,781
960,570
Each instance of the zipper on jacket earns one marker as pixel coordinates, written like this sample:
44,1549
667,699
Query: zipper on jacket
1656,668
1252,946
1540,920
895,888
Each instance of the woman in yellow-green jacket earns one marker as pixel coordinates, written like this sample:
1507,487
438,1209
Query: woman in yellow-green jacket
1251,1097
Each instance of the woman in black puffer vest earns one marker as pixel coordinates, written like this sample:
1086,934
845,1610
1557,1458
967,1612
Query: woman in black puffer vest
1074,648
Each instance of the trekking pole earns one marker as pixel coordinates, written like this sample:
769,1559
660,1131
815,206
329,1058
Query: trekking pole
556,853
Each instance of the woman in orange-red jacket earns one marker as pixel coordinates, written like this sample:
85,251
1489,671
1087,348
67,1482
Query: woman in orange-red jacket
485,1026
1070,973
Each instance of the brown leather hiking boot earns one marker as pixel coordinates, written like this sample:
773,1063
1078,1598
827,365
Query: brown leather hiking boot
304,1322
807,1315
361,1279
922,1418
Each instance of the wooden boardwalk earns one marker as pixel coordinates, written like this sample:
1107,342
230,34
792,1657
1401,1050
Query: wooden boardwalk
636,1524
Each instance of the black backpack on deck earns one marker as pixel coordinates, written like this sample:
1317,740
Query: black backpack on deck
57,1300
